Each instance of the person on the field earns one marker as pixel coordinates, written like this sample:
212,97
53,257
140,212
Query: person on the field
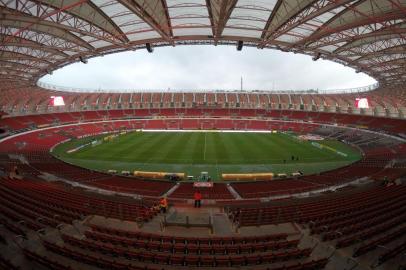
163,205
198,197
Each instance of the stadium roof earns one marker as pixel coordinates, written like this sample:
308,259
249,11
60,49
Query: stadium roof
38,36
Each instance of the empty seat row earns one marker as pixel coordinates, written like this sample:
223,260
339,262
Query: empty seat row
194,245
108,231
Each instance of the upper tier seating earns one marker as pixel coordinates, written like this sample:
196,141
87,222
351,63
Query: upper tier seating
33,100
374,123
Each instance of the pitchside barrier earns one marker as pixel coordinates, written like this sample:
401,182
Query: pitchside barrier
246,176
159,175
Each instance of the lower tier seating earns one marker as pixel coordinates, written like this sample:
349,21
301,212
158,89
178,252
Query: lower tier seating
38,203
219,191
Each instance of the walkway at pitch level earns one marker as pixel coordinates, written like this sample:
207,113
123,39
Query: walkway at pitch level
207,221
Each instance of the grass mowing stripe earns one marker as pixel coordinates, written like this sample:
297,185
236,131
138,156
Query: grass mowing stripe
258,146
204,150
150,150
215,146
220,151
187,149
145,150
292,147
130,145
166,149
269,142
300,149
238,149
215,152
176,146
320,152
198,148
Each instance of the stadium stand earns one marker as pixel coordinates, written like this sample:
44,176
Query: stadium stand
55,215
36,144
373,220
218,191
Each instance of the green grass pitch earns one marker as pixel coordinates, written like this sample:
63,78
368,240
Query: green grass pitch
214,152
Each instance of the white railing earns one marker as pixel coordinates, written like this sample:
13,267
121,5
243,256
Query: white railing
286,91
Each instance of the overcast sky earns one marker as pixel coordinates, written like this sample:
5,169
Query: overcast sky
208,67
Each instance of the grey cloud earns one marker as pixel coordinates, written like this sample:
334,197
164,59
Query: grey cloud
207,67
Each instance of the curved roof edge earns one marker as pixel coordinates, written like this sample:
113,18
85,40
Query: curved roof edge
38,37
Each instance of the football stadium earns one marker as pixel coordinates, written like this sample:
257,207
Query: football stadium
202,179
